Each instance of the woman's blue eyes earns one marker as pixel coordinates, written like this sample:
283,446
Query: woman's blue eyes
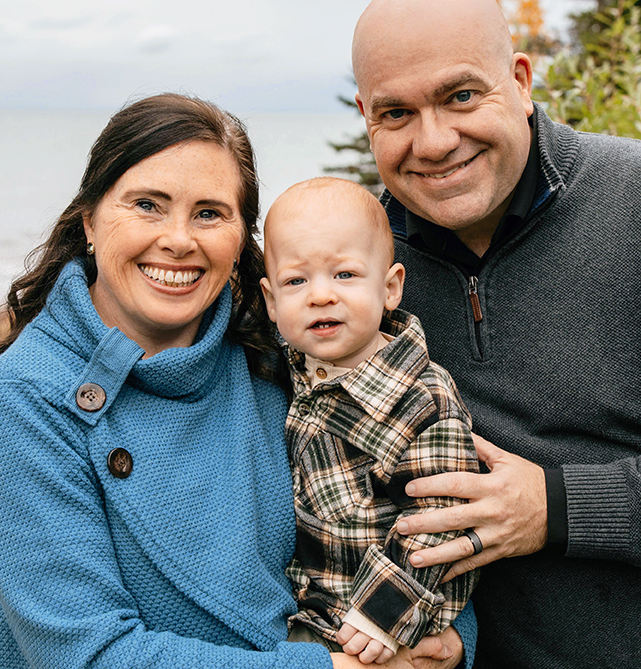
208,214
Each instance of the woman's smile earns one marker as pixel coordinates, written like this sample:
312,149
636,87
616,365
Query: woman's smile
173,278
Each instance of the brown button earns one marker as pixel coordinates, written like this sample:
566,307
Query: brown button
90,397
120,463
321,373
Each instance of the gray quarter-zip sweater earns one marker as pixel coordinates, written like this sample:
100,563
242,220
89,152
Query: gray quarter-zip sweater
552,372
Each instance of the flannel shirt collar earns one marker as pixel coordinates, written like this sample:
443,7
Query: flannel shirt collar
378,383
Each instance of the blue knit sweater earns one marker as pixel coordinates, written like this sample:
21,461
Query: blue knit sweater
182,563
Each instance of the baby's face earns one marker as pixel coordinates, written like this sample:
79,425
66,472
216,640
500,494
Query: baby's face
328,277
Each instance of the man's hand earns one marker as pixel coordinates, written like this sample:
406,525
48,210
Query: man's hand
443,651
507,509
355,642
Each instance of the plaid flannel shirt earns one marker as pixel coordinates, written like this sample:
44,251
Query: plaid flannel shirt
354,443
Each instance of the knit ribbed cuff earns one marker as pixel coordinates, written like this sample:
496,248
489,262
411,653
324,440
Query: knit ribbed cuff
598,516
356,619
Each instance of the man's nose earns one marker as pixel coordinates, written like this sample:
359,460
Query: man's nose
435,137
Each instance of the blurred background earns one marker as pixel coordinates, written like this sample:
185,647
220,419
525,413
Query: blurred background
282,66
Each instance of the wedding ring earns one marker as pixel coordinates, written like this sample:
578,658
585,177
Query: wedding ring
475,539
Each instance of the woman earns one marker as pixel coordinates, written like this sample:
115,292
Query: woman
147,513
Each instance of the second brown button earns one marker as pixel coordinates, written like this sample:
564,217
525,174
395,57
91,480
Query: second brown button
120,463
321,373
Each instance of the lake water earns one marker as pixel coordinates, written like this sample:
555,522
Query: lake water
43,155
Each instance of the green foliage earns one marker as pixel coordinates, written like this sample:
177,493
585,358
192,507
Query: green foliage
362,168
597,87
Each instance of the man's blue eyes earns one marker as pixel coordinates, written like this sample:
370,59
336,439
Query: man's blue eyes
397,114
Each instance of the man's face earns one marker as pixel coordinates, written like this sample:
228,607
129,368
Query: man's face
447,120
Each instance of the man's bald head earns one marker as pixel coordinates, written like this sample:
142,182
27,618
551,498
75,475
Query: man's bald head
387,23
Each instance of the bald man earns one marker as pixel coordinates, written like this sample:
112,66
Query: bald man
522,244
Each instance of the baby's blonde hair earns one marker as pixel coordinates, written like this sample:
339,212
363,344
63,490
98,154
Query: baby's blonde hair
337,188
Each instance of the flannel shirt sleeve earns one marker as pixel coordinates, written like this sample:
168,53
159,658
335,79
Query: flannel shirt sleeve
405,602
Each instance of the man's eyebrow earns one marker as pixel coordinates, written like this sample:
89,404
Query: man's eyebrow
461,81
391,102
385,102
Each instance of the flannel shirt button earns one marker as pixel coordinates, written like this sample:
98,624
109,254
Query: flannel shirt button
304,409
321,373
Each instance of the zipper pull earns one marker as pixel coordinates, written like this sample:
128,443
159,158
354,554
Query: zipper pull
474,299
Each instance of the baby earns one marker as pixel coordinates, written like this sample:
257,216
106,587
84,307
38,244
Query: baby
370,413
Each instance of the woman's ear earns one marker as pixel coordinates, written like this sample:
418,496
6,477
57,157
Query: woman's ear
394,280
86,224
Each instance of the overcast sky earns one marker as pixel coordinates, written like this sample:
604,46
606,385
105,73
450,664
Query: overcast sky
247,55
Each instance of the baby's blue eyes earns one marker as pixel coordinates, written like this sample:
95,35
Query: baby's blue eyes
296,282
344,275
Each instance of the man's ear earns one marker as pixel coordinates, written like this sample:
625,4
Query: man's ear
394,280
523,78
359,102
266,287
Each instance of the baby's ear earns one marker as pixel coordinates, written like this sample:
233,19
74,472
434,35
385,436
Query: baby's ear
266,287
394,280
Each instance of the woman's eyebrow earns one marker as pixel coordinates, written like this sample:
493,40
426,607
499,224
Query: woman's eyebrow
146,192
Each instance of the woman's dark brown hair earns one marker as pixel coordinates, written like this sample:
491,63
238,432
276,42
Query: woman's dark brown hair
134,133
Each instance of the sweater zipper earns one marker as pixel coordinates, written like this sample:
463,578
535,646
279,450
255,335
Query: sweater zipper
476,310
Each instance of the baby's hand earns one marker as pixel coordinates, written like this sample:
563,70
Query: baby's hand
358,643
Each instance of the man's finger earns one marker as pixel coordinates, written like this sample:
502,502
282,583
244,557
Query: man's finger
487,452
464,485
450,551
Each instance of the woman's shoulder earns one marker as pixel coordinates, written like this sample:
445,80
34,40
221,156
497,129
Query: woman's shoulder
38,360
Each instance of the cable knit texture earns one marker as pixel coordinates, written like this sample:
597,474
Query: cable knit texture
179,565
553,375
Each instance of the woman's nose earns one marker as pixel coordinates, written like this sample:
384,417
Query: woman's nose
177,237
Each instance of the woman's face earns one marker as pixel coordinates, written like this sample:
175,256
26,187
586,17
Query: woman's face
166,235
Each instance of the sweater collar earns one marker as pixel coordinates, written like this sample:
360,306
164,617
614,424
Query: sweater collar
70,317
